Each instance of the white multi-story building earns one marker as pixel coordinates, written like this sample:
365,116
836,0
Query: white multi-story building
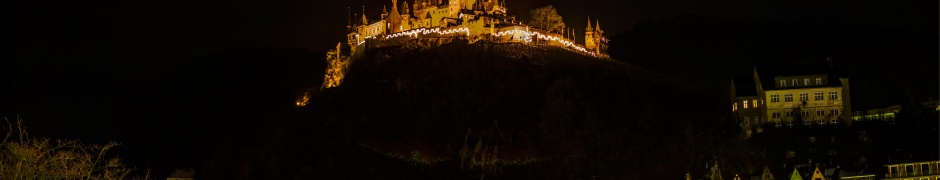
795,94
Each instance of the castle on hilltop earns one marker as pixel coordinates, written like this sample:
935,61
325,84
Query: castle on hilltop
471,19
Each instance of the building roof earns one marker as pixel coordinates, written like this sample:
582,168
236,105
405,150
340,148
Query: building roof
744,86
767,72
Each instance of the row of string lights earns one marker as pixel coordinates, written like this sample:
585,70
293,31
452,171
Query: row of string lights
526,36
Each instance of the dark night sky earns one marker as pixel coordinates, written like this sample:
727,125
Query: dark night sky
85,46
144,38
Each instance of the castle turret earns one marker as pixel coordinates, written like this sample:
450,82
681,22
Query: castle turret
598,30
405,11
364,20
349,24
394,19
589,36
385,11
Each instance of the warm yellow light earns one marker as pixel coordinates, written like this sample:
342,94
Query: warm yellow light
303,100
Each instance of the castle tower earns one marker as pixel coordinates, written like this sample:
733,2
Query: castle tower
349,24
406,16
394,19
419,5
600,43
385,12
405,11
364,20
597,30
589,36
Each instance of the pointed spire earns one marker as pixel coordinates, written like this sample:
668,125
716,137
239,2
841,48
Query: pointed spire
405,9
364,20
348,19
598,23
589,28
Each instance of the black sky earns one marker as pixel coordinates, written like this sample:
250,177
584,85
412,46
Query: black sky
143,38
139,41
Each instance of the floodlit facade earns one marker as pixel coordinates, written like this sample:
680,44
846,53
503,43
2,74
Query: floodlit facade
427,23
926,170
478,19
790,95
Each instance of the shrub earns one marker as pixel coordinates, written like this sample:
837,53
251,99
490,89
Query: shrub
26,157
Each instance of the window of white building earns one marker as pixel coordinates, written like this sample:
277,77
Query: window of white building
833,95
819,96
774,98
788,98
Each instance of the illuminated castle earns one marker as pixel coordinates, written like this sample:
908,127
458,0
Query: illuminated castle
471,19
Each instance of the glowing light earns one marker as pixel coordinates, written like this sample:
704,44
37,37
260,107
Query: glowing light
424,31
528,34
303,101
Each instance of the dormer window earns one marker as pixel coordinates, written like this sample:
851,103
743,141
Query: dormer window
783,83
819,81
806,82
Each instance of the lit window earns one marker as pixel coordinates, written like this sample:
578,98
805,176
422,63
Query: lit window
812,139
804,96
833,95
819,96
793,82
788,98
783,83
745,104
734,107
806,82
755,102
819,81
774,98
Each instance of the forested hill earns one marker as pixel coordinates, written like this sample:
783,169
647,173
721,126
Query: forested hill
462,110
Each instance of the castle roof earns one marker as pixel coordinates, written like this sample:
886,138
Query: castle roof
598,23
394,18
767,72
405,9
589,28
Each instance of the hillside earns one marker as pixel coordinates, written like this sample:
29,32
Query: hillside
487,109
